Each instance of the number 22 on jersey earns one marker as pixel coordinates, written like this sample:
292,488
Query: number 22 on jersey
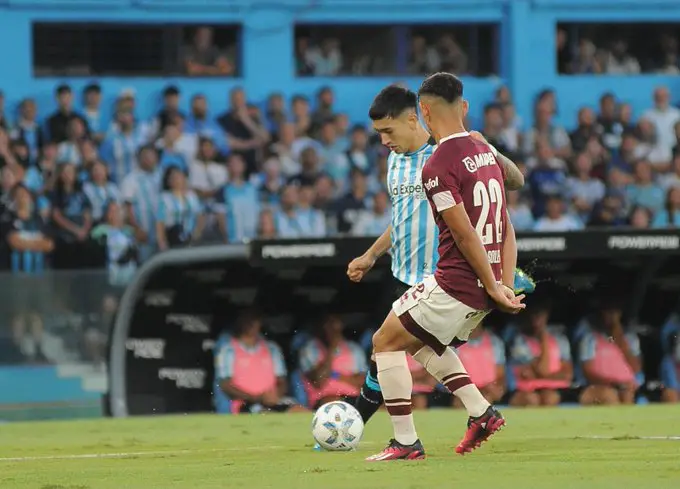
483,195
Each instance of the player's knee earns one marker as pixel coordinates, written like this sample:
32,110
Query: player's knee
550,398
669,395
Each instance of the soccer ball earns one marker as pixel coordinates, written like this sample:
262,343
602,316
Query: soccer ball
337,426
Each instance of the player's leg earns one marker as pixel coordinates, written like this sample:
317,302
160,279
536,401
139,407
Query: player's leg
669,395
370,396
390,343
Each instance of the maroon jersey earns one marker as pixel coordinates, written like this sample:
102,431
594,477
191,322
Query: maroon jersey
465,171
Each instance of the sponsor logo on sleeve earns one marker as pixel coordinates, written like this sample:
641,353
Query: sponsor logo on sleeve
432,183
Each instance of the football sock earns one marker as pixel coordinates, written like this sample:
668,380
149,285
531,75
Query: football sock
397,385
370,398
449,370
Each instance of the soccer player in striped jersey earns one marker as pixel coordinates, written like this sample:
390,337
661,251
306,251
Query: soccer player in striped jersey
412,237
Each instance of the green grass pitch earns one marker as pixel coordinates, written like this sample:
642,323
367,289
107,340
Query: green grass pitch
546,449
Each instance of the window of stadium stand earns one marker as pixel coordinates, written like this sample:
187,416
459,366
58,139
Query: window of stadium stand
618,49
402,50
86,49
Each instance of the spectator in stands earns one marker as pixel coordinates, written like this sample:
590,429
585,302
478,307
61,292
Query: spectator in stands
92,99
288,223
171,100
493,126
199,124
237,204
619,60
582,190
303,65
546,178
325,60
670,65
644,191
672,179
206,175
610,359
664,117
324,108
283,149
100,191
669,217
275,115
483,356
564,57
179,219
585,61
119,148
309,161
626,117
453,58
659,156
140,191
377,179
251,371
373,222
608,121
28,239
270,182
358,156
555,220
266,228
68,150
586,128
58,123
301,116
541,361
520,212
171,154
342,129
332,155
423,59
640,218
245,135
312,221
203,58
72,217
349,207
333,366
556,137
629,152
21,153
611,211
122,257
27,128
324,191
511,134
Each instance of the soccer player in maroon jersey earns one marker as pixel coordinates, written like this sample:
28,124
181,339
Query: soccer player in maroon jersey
464,186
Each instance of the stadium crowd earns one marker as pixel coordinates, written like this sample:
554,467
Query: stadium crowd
72,180
531,362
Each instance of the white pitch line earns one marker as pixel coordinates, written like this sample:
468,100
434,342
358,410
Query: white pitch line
629,438
130,454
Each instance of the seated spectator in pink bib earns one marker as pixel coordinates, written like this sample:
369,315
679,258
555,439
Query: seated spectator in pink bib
423,383
333,366
610,359
251,372
484,358
541,361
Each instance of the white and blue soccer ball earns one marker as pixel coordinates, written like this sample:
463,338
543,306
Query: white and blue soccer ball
337,426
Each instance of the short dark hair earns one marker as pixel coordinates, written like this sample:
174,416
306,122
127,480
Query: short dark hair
442,85
93,87
62,89
391,102
170,91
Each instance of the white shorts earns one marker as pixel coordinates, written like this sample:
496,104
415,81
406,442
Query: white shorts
434,317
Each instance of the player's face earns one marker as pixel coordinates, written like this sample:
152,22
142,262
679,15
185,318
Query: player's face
397,133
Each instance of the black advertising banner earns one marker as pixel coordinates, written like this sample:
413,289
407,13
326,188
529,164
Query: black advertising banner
572,245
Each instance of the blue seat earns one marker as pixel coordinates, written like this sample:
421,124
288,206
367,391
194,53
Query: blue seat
669,331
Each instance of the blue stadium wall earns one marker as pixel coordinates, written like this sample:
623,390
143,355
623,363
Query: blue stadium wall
525,47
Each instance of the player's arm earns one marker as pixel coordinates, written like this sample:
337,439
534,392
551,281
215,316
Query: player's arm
362,265
514,178
469,244
509,254
381,245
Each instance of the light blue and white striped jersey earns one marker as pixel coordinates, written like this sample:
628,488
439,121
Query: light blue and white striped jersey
100,196
414,233
143,189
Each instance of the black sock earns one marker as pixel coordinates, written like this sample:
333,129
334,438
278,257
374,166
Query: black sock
371,397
